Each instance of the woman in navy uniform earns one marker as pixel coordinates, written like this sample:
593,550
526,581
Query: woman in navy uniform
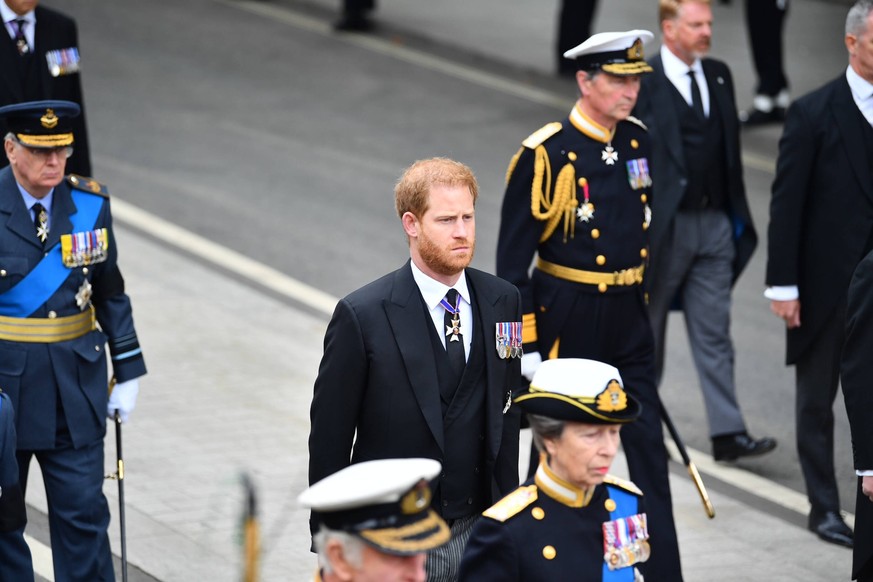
572,520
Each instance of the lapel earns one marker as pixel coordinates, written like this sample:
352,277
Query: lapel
9,68
719,93
845,112
488,307
664,115
42,41
406,318
11,204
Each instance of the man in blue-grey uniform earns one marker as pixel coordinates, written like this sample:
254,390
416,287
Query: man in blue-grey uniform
62,301
572,520
577,200
15,562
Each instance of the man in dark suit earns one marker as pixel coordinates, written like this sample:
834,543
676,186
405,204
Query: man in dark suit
577,204
857,382
422,362
62,301
702,234
39,59
824,181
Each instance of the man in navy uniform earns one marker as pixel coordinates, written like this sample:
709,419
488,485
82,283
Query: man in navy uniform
62,300
572,520
15,562
577,198
376,521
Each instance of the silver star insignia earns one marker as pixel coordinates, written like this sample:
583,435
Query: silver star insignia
585,212
609,155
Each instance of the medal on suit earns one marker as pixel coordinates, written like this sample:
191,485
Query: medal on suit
609,155
453,332
585,212
508,339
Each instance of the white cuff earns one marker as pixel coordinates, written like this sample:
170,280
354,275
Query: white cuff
782,293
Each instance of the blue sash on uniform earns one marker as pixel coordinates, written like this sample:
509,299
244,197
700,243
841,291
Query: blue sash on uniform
625,506
46,278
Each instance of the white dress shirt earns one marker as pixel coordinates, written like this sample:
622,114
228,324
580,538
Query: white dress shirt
676,72
432,291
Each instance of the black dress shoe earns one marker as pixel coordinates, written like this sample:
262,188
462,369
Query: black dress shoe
830,527
353,22
754,116
732,447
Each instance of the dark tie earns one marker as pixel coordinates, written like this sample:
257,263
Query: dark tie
20,39
40,221
696,100
454,337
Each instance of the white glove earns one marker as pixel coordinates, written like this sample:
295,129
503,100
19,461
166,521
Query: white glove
123,399
529,364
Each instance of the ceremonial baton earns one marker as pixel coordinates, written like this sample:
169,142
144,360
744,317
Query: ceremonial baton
692,469
119,475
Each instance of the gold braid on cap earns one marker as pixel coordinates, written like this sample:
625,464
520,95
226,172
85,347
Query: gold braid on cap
551,207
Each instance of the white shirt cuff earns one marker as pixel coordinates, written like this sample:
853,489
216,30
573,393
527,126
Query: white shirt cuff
782,293
864,473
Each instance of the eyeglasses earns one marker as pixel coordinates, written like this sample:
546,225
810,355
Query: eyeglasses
63,152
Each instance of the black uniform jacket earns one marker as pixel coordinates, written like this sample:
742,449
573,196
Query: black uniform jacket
576,197
655,107
821,211
377,382
547,530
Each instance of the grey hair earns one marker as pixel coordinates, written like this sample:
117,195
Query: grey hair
543,427
10,136
353,548
856,21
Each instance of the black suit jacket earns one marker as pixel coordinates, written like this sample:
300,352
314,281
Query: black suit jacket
378,377
655,107
54,31
857,383
821,211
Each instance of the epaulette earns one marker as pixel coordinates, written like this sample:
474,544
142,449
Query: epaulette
542,134
623,483
88,185
633,119
512,504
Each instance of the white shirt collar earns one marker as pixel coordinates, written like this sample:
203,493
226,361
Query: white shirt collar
675,68
862,93
8,14
433,291
30,200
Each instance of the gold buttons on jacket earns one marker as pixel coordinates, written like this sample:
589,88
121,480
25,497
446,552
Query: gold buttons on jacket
600,260
645,226
635,144
643,198
643,253
601,287
572,156
595,233
537,513
582,182
609,504
2,272
549,552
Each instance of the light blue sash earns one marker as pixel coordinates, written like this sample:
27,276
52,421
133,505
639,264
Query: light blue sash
47,277
625,506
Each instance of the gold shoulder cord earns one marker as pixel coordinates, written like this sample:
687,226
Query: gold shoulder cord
543,205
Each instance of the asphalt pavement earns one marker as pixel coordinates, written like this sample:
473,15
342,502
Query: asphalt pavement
233,344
